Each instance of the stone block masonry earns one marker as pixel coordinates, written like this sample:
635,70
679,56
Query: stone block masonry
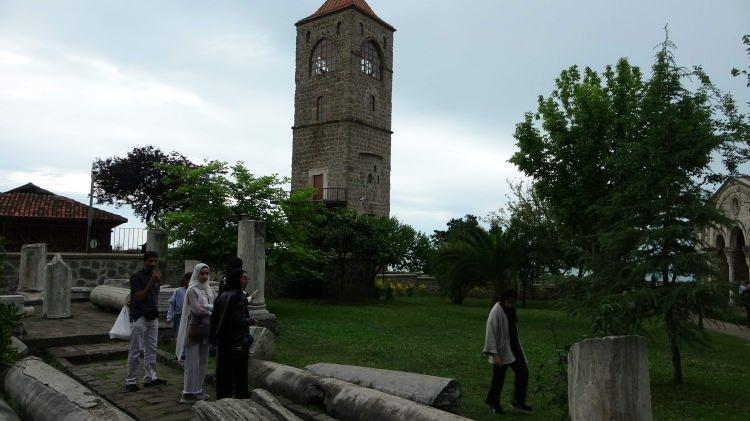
348,142
88,270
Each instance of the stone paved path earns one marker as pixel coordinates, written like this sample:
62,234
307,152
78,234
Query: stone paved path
157,403
742,332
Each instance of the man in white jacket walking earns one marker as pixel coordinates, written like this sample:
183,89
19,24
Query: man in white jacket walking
503,348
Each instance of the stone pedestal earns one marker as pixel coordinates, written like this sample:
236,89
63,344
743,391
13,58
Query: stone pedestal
251,248
32,268
608,380
190,265
156,240
59,282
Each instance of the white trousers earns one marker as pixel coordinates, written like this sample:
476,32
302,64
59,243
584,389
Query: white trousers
144,337
196,361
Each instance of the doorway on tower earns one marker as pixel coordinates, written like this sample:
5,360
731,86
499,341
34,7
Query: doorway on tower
323,192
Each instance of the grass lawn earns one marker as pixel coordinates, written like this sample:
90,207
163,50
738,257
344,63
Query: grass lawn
431,336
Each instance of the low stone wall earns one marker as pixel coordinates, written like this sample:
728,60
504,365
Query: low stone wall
424,283
89,270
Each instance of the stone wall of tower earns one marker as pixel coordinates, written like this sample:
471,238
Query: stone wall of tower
352,136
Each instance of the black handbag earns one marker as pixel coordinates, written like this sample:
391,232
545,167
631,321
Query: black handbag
199,329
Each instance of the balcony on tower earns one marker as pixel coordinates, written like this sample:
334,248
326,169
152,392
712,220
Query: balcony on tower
331,196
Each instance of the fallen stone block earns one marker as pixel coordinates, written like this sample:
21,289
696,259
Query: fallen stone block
269,402
109,298
232,409
7,413
264,343
348,401
608,380
439,392
297,385
19,346
46,394
18,301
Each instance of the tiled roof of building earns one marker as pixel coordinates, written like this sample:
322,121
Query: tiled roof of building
31,201
333,6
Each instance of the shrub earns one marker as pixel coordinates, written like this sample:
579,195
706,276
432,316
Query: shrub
10,321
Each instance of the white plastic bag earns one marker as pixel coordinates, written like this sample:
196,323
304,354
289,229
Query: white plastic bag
122,327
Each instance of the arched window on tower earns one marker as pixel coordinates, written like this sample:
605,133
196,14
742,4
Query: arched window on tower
320,110
371,59
323,58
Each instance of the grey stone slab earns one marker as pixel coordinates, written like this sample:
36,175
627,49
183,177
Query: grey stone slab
32,268
264,343
608,379
46,394
268,401
19,346
232,409
57,292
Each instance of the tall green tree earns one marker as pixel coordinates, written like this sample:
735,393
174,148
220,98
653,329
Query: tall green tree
139,180
477,257
213,198
526,216
648,145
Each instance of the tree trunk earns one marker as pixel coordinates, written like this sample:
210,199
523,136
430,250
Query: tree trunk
674,346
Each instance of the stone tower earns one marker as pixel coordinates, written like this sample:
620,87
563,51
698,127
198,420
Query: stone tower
342,107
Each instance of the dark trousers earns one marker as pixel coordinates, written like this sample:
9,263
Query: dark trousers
231,374
521,383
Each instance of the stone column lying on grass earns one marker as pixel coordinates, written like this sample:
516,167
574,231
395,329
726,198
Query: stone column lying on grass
261,406
439,392
59,282
348,401
297,385
608,380
109,297
46,394
32,268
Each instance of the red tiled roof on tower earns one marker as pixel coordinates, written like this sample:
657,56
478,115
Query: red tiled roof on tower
333,6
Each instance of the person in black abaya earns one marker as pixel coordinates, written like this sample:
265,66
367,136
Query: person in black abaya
230,322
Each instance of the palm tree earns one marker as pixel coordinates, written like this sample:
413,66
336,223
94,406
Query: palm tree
477,257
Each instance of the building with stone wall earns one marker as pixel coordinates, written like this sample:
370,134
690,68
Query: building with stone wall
728,244
342,118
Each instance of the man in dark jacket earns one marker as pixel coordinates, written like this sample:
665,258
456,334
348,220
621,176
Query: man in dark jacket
144,316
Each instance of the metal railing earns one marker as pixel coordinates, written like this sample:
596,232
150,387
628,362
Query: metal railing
126,240
331,195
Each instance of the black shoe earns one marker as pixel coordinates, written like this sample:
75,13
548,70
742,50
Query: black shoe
497,410
157,382
521,406
132,388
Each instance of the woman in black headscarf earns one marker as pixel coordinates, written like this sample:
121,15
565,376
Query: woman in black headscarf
230,322
232,264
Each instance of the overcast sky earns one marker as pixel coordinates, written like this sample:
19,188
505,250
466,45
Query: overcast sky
87,79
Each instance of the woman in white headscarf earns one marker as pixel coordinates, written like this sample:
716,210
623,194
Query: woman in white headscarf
193,337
